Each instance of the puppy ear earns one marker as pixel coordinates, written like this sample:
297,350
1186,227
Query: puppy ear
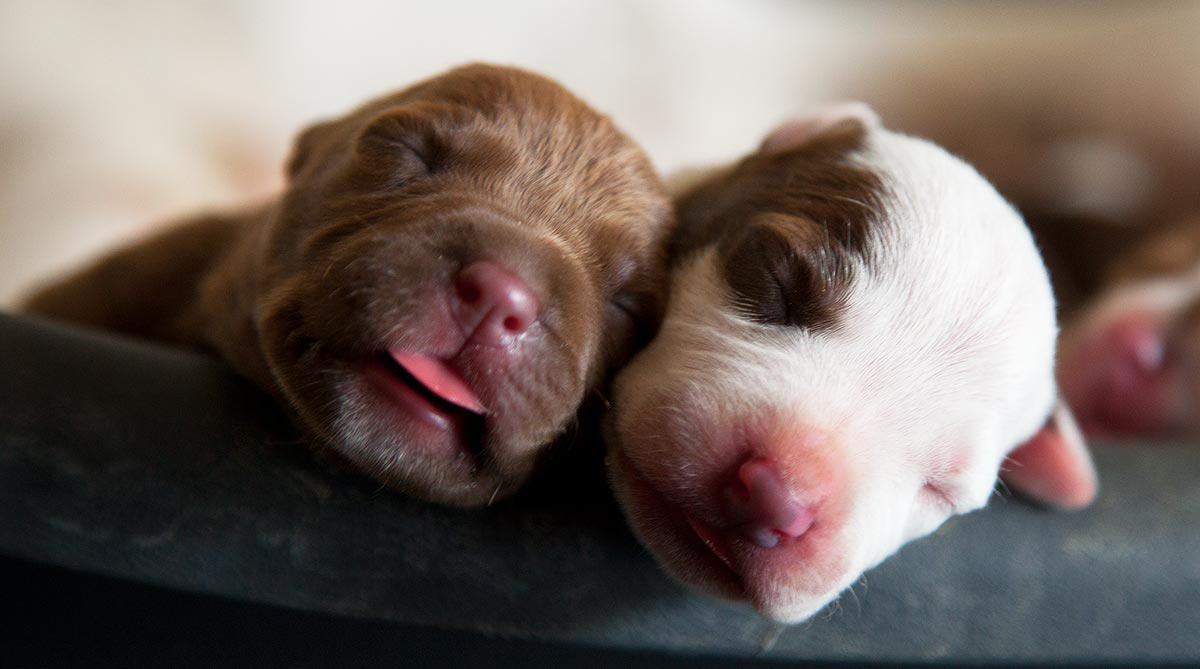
846,116
1054,466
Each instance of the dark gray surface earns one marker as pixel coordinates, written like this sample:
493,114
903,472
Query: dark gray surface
130,460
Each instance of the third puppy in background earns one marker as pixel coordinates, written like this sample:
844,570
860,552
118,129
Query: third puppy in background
859,335
1130,358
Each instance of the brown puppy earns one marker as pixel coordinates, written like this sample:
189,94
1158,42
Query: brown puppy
449,272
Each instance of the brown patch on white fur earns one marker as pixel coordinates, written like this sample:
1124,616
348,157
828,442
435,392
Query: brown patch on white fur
786,267
383,209
859,331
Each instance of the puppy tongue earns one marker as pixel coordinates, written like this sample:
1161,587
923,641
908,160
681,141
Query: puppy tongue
439,379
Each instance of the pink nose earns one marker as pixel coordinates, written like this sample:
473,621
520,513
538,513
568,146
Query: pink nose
1140,341
492,304
762,509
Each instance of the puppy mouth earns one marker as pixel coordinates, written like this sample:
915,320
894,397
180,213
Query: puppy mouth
709,561
713,541
706,557
429,390
438,379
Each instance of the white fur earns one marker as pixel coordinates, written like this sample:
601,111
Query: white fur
943,364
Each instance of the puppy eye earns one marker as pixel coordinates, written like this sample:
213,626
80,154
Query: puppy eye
631,312
628,325
398,149
775,282
624,307
939,495
753,270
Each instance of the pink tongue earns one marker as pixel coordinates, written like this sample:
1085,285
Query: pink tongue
439,379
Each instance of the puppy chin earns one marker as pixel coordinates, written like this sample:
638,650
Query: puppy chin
449,457
785,607
787,585
665,531
792,588
672,518
402,435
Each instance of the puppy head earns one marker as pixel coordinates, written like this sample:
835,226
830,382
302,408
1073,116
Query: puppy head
859,331
451,271
1129,362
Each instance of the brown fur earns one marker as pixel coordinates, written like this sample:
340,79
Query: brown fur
383,206
1175,250
779,263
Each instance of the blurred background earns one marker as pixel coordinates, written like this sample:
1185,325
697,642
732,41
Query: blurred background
117,116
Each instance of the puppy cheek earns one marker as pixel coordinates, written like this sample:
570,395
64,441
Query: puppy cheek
643,403
868,516
278,320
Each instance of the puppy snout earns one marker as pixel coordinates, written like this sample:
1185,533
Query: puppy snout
492,304
761,507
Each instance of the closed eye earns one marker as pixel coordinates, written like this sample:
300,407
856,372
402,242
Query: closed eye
938,494
754,268
640,313
398,148
781,276
628,326
620,312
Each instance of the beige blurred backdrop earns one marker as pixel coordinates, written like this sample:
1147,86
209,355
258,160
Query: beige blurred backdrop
116,116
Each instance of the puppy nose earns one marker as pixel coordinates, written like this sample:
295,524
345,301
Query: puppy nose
763,511
1140,341
492,304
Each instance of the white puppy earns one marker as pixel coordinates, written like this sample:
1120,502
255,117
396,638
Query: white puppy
860,335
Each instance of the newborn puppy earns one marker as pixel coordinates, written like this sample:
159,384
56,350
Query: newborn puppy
859,335
449,273
1130,361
